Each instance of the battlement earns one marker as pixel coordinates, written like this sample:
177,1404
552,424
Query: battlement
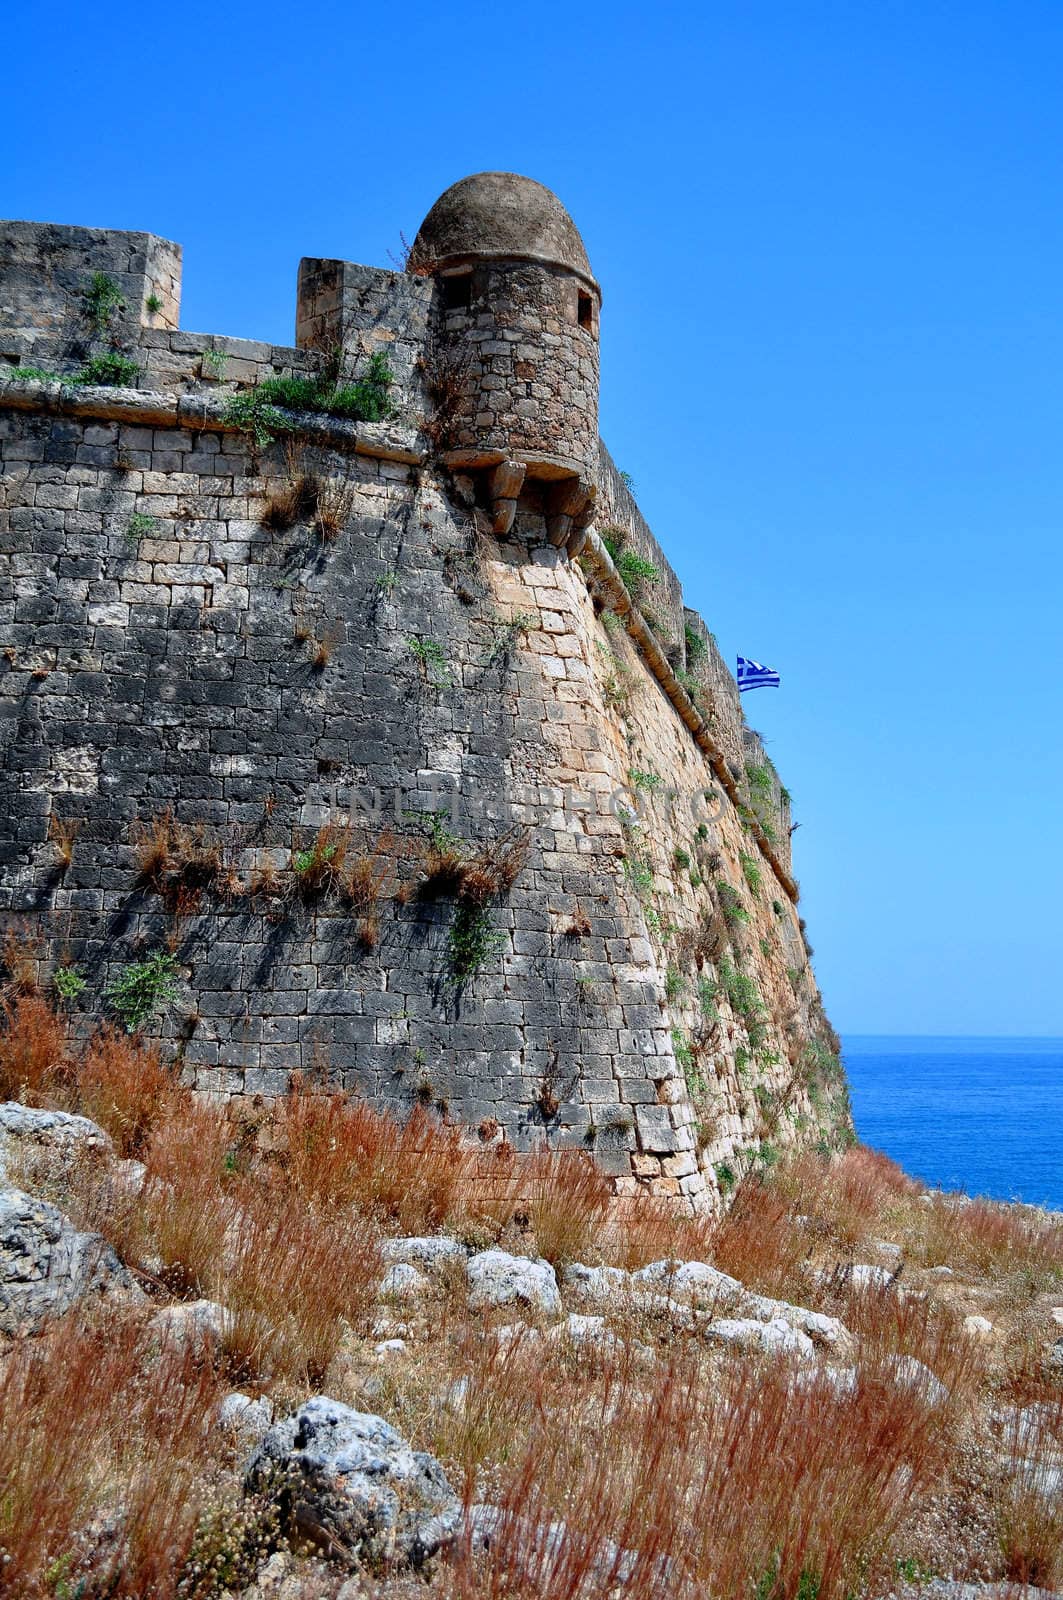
47,272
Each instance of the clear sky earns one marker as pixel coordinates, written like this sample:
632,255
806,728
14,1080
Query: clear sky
831,246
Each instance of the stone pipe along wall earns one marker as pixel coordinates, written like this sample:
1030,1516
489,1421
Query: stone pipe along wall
439,813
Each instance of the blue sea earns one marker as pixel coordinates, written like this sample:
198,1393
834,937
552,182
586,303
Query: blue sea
983,1115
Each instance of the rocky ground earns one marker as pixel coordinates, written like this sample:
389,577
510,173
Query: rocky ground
310,1354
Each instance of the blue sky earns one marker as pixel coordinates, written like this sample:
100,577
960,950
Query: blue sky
831,246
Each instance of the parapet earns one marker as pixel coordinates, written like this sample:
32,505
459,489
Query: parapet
49,309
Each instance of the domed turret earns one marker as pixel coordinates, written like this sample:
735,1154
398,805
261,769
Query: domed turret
499,216
518,319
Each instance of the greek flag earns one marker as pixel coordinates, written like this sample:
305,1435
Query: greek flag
751,675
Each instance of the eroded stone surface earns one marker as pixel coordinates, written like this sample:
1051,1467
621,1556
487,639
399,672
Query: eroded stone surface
355,1485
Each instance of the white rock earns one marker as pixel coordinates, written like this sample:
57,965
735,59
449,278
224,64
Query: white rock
773,1338
247,1418
31,1130
585,1333
908,1373
603,1285
47,1265
499,1279
825,1331
862,1276
693,1282
201,1325
390,1347
978,1327
940,1271
512,1334
428,1253
404,1282
362,1492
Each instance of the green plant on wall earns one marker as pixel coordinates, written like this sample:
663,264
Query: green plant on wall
253,414
363,400
750,871
109,371
471,942
432,661
68,983
139,526
143,989
104,300
731,904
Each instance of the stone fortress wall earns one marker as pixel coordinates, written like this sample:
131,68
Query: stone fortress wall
359,724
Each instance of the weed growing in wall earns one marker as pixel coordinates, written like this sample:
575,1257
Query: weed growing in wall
139,526
507,636
365,400
104,301
109,371
734,911
432,661
645,782
143,989
68,983
696,647
254,415
751,871
153,304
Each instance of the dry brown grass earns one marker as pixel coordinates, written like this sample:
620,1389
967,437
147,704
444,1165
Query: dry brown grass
717,1474
993,1241
335,504
63,832
292,1279
569,1202
121,1083
33,1048
104,1464
758,1242
178,861
858,1196
727,1484
297,501
337,1151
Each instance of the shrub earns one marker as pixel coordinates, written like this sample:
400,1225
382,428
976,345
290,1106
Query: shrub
109,370
104,299
144,989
